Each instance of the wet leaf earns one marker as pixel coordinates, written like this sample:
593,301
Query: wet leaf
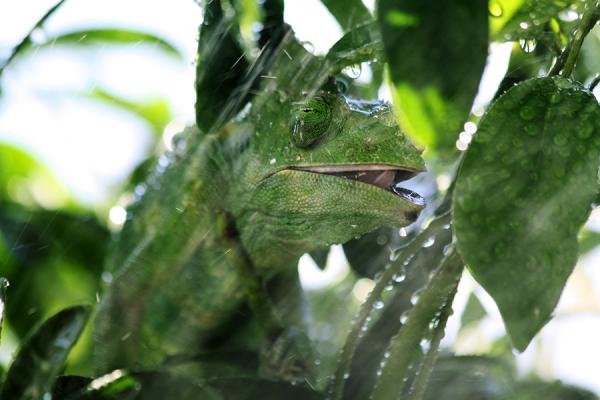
250,389
349,13
43,354
360,44
221,71
436,52
370,253
112,36
523,191
526,19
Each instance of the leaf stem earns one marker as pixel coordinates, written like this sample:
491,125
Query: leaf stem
420,384
27,39
336,385
435,298
568,58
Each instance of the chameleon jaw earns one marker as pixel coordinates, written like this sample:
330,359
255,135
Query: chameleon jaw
386,177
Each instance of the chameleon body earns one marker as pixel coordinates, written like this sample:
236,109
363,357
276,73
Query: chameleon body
227,214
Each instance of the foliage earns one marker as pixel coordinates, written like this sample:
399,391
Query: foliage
525,185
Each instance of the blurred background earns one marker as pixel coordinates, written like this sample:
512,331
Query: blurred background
99,94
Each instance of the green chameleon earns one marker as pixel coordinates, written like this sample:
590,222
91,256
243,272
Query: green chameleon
215,239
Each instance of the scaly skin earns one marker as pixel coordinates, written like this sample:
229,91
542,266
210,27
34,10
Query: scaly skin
234,211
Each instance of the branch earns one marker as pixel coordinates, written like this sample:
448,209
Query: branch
27,39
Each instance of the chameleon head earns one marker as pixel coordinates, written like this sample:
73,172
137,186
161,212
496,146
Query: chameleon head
326,169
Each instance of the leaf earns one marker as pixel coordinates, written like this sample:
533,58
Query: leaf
3,286
360,44
436,52
221,70
588,241
156,112
112,36
349,13
523,190
373,345
370,253
43,354
250,389
526,19
473,312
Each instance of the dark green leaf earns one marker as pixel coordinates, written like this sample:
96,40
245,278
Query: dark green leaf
534,390
251,389
470,378
273,25
360,44
319,256
349,13
112,36
436,52
372,347
523,191
221,71
370,253
43,354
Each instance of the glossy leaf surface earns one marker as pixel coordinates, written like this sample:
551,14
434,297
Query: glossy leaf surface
523,191
43,354
436,52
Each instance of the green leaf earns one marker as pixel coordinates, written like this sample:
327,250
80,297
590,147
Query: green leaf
361,44
349,13
523,191
436,52
588,241
250,389
156,112
526,19
370,253
221,70
112,36
473,312
3,286
43,354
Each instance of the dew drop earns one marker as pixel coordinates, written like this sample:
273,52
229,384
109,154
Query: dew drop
378,305
527,45
404,317
429,242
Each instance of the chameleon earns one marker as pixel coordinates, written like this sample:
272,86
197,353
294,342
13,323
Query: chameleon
215,238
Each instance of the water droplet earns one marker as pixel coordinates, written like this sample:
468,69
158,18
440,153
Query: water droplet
429,242
353,71
346,375
399,277
402,232
416,296
527,113
527,45
560,140
524,25
404,317
378,305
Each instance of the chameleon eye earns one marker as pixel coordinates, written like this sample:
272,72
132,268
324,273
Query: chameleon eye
310,121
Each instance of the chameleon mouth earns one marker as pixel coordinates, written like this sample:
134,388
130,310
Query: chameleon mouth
383,176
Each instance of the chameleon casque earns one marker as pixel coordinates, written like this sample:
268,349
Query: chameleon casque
215,239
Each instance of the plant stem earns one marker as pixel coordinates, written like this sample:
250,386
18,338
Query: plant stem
27,39
336,385
566,61
404,346
420,384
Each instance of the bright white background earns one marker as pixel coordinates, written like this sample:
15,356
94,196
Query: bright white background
73,138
